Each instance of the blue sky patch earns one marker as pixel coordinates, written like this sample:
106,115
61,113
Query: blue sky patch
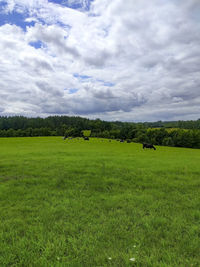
76,5
18,19
72,91
108,84
83,77
15,19
36,45
60,2
2,5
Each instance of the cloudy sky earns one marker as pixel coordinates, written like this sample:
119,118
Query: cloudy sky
132,60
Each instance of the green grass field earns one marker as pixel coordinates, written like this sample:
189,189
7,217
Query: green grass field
96,203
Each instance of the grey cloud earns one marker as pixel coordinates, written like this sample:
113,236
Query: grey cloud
104,94
99,59
36,66
150,53
45,87
9,45
95,103
1,110
43,64
53,35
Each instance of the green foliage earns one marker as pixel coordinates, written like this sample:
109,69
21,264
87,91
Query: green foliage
86,133
157,133
97,203
72,132
167,141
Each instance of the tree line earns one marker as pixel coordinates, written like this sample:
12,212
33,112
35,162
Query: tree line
177,133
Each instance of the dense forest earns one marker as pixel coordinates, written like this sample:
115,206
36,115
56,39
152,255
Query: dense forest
174,133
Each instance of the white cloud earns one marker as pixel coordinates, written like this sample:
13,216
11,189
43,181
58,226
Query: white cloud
142,57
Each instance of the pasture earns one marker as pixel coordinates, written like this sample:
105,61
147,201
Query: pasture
98,203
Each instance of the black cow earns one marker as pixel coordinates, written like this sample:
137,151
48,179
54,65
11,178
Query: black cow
148,146
86,138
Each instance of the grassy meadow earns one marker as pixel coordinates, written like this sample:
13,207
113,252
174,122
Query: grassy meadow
98,203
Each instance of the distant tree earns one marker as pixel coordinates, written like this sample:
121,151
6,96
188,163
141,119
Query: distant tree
63,129
10,133
29,132
142,138
69,132
160,135
167,141
105,134
86,133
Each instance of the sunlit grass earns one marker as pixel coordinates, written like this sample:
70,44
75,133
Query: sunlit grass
96,203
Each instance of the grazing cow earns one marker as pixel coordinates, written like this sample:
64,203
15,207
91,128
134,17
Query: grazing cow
86,138
148,146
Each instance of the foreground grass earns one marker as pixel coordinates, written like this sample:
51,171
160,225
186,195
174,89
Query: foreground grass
96,203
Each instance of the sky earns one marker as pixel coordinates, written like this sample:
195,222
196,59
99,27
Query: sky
133,60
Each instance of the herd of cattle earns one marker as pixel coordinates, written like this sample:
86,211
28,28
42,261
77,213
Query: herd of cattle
145,145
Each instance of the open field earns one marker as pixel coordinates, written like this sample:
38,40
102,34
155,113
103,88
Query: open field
96,203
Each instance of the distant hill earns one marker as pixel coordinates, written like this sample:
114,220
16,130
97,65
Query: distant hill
53,122
173,133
